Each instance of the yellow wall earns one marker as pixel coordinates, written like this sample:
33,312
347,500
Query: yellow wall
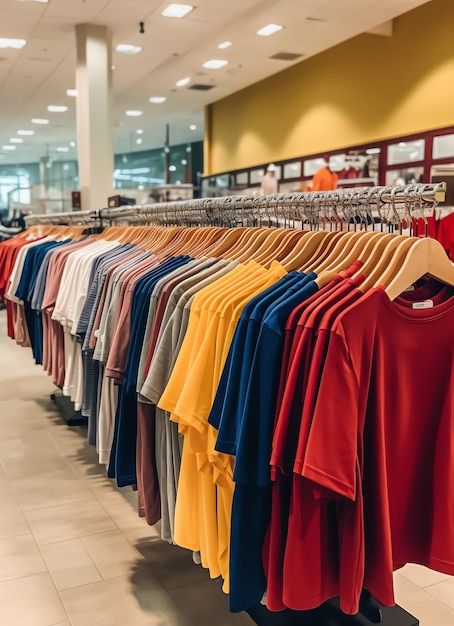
368,88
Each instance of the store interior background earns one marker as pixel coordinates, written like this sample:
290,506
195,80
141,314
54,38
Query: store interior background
379,104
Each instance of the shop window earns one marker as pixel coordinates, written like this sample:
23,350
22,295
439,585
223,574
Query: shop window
443,147
241,178
256,176
405,176
311,166
292,170
406,152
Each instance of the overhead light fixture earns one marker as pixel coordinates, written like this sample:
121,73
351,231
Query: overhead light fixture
62,149
16,140
26,132
215,64
269,30
177,10
139,131
42,1
72,144
139,140
53,108
157,99
72,93
134,113
172,168
373,151
37,120
184,162
113,68
183,81
126,48
7,147
17,44
402,144
193,127
225,44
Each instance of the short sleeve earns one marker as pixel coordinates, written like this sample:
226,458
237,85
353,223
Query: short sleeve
332,446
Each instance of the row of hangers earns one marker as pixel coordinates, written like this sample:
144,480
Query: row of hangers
391,260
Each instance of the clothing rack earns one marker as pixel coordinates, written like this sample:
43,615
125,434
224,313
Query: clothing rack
357,206
392,207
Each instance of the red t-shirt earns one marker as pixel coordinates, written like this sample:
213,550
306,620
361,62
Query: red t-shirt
373,437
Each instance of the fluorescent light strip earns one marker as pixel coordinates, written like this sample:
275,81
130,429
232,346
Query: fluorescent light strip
134,113
177,10
62,149
157,99
37,120
72,93
126,48
7,147
215,64
17,44
270,29
26,133
225,44
183,81
16,140
52,108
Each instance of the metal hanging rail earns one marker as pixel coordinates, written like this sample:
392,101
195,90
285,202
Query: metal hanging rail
388,204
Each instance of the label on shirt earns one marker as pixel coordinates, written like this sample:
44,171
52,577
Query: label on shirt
427,304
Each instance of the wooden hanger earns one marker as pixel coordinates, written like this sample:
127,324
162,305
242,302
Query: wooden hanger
426,256
227,241
307,249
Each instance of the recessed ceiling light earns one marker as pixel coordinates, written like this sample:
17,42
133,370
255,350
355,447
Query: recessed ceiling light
62,149
215,64
157,99
12,43
193,127
139,140
16,140
72,93
269,30
43,1
134,113
72,144
225,44
37,120
172,168
177,10
26,132
53,108
126,48
184,162
113,68
139,131
9,147
183,81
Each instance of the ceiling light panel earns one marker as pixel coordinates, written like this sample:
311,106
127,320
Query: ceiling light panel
126,48
17,44
53,108
225,44
16,140
37,120
157,99
133,113
62,149
26,133
72,93
183,81
177,10
270,29
215,64
7,147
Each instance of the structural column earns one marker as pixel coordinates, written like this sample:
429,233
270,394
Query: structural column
94,114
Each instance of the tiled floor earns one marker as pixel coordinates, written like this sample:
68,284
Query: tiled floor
72,548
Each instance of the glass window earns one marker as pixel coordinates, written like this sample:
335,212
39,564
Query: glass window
292,170
311,166
257,175
443,147
406,152
241,178
405,176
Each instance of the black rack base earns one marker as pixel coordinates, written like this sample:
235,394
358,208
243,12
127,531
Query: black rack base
67,409
328,614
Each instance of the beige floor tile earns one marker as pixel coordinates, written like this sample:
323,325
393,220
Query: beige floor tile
112,554
122,507
173,566
12,520
69,564
33,465
422,604
68,521
122,601
422,576
30,601
205,604
444,592
19,556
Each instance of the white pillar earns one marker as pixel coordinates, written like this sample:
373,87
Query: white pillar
94,114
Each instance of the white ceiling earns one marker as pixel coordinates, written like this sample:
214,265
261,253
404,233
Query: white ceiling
40,73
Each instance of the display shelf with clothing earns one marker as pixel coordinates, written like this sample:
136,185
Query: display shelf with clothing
258,385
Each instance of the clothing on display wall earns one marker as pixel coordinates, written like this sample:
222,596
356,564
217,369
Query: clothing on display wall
281,398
